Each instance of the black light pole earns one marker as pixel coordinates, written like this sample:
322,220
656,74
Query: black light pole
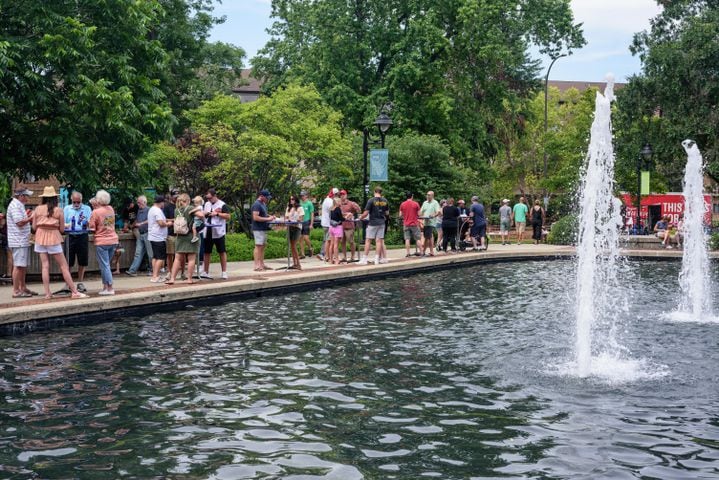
383,122
546,97
645,155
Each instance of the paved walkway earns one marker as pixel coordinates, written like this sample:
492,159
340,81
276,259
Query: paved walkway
138,292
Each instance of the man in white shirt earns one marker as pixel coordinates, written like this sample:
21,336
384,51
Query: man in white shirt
327,205
157,225
216,214
18,240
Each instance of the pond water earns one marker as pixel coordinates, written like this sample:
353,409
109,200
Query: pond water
449,375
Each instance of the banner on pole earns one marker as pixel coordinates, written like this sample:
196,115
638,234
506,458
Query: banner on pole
378,165
645,183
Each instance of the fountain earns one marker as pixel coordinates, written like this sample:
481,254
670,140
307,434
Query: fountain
694,277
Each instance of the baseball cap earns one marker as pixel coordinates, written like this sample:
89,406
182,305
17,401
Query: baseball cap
23,191
506,200
335,190
265,193
303,193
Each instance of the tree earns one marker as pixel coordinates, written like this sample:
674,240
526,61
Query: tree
79,91
280,142
520,162
446,66
675,96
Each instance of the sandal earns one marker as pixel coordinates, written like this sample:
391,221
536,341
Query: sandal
22,295
169,282
32,293
79,295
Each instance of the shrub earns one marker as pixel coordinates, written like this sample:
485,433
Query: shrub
240,247
714,241
564,231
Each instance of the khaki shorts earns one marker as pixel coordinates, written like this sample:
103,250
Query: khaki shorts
20,256
170,247
350,235
411,233
521,226
260,237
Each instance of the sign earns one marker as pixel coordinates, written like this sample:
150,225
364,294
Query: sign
378,165
645,183
671,204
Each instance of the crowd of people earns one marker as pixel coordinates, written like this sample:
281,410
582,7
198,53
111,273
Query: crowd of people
177,232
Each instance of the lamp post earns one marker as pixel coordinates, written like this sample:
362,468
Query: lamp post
546,98
383,122
645,156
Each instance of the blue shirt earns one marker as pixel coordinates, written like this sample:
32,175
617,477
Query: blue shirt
477,210
77,218
261,208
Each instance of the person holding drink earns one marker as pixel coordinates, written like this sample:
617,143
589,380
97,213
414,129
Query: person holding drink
295,214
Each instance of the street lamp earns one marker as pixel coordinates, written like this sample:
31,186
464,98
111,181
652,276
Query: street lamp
383,123
645,156
546,97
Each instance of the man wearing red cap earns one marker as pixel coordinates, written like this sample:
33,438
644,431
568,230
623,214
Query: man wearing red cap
349,210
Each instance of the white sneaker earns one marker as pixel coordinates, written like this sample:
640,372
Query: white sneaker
362,261
376,260
206,275
383,260
106,292
224,275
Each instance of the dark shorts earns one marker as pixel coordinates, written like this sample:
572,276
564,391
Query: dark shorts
159,250
478,231
306,228
219,244
294,233
78,247
428,231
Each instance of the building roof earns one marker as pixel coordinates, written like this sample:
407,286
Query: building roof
564,85
251,84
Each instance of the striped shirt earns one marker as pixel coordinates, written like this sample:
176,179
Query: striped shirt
17,236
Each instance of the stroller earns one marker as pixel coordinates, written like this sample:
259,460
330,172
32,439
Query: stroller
464,239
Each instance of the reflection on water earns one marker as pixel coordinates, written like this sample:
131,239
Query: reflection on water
444,375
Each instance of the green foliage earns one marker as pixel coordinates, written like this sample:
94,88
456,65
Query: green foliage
521,159
446,66
714,241
279,142
240,246
675,97
564,231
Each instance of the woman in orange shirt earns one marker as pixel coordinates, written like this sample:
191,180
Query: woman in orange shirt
102,223
48,222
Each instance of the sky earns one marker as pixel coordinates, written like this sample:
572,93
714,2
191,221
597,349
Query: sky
608,25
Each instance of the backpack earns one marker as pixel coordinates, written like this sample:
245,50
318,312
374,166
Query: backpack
180,225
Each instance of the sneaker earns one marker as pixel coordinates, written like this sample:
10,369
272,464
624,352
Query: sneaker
376,260
669,247
131,274
224,275
195,239
206,275
383,260
107,292
321,257
81,287
163,270
363,260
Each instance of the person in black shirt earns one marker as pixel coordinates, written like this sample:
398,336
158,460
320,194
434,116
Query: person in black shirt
450,214
128,215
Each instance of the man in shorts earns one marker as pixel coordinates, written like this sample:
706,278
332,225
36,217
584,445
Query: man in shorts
157,235
479,224
327,206
169,210
409,213
260,227
216,214
18,239
430,212
505,221
520,211
78,237
307,222
377,209
348,227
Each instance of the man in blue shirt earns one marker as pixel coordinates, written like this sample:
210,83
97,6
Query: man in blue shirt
260,227
76,217
479,227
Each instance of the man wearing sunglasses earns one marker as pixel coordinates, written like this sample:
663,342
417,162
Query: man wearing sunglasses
77,216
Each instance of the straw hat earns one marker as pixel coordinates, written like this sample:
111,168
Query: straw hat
49,192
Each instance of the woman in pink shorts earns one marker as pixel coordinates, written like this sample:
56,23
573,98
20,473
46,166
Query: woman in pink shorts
336,231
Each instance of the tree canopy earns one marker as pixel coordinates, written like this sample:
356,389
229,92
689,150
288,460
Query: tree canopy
447,66
86,87
675,96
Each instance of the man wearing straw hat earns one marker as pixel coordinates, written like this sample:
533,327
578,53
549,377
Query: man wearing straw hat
18,233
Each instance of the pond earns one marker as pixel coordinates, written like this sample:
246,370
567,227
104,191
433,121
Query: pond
453,375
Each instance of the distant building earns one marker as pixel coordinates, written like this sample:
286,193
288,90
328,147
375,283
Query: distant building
250,91
564,85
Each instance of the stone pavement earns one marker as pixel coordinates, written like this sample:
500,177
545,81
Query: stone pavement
138,292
